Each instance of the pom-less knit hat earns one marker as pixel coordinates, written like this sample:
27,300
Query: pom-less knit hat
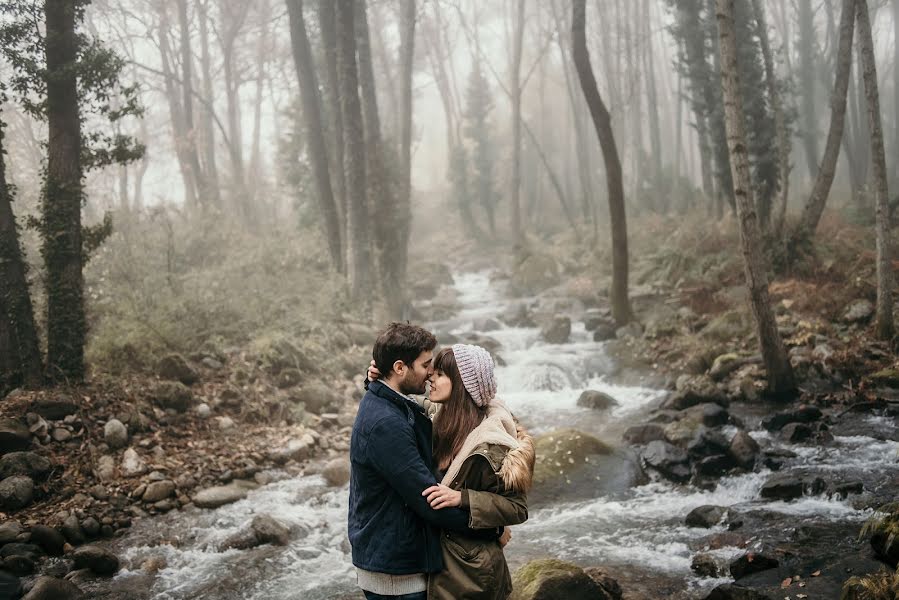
476,368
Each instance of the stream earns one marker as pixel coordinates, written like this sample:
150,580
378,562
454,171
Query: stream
617,525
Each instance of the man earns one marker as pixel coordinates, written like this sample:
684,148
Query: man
393,530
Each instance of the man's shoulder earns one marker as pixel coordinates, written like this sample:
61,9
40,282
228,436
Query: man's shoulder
374,411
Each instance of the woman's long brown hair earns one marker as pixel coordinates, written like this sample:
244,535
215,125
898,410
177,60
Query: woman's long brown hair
458,416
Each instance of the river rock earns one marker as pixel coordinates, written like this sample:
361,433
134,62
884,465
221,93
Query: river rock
337,472
643,434
631,330
10,531
16,492
562,451
750,563
604,333
20,549
172,394
159,490
704,565
91,527
730,591
96,558
175,368
796,432
551,579
669,460
596,317
859,311
115,434
693,390
706,516
713,415
51,588
517,315
72,531
51,540
61,434
13,436
262,530
596,400
744,450
56,408
18,565
707,442
220,495
556,331
24,463
605,581
132,464
317,397
803,414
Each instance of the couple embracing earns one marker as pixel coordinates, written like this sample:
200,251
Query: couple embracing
431,501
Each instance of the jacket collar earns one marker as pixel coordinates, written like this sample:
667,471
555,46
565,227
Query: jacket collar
382,390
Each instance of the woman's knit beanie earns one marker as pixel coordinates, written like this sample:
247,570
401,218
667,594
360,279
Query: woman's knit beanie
476,368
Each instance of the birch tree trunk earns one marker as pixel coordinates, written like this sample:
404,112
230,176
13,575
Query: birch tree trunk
777,364
883,325
621,308
318,152
811,214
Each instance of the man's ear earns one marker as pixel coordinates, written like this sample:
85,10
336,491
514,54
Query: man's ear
399,367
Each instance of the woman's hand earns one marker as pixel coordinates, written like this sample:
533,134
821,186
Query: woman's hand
373,372
505,537
440,496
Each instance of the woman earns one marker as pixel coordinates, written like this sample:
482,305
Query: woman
486,462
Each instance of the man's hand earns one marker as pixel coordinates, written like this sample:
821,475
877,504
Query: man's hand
373,372
440,496
505,537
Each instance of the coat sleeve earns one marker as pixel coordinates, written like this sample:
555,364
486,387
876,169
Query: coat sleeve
491,504
394,453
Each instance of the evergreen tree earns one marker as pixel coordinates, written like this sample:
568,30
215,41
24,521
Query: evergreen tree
479,103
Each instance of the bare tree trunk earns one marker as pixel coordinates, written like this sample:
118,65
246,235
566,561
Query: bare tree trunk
652,98
328,25
16,310
821,189
380,50
621,308
807,82
190,134
262,51
211,169
554,179
515,91
235,14
777,364
780,123
895,92
404,202
358,241
883,326
62,249
318,152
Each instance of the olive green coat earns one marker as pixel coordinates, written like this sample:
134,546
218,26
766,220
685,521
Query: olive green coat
494,477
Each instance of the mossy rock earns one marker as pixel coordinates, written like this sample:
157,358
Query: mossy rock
550,579
276,352
172,394
174,367
535,273
561,451
886,377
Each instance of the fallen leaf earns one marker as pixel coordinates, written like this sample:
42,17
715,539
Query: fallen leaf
786,582
816,573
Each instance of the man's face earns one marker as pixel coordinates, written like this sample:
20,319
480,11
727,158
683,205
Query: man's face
416,376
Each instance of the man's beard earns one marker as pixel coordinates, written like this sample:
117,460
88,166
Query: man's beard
412,386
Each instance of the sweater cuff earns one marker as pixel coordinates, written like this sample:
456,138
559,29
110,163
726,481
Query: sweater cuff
465,505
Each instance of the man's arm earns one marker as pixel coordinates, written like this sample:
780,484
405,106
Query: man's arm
394,453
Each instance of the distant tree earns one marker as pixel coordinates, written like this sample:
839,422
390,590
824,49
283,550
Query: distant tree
479,103
883,326
807,69
602,122
777,364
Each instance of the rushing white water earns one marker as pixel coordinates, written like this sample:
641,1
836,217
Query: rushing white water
540,382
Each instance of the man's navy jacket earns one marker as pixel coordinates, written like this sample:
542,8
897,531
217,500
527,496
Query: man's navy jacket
392,528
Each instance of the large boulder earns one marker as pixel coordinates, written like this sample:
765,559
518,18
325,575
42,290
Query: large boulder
25,463
557,330
317,397
750,563
51,588
172,394
175,368
744,450
563,451
96,558
534,274
14,436
668,460
16,492
223,494
262,530
551,579
596,400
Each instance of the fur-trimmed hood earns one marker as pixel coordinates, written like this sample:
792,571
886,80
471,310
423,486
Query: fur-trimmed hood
500,428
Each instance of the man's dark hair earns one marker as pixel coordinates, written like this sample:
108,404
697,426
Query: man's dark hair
401,341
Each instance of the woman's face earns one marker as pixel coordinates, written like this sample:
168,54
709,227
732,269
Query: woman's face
441,387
